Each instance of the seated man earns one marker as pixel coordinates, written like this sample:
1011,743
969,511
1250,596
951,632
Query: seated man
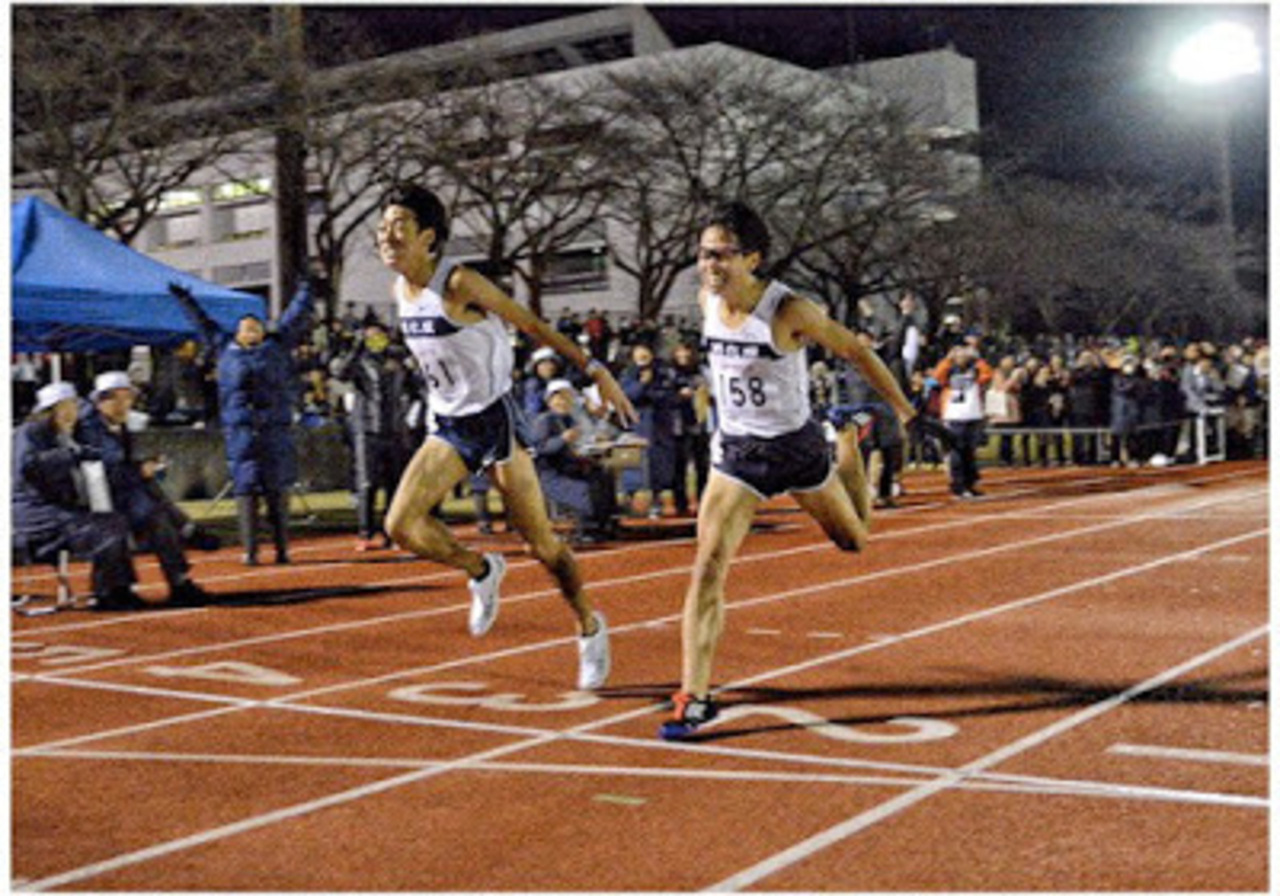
154,519
50,500
576,482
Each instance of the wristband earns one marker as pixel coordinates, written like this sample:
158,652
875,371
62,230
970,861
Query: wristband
592,366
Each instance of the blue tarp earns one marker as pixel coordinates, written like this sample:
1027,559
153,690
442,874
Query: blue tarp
75,289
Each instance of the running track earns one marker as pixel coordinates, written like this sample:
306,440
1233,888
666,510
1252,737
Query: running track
1062,686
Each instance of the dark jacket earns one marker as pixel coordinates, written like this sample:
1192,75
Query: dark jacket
45,496
382,389
256,396
552,452
656,404
130,492
1090,396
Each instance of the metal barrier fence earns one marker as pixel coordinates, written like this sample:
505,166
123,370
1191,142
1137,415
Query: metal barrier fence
1205,434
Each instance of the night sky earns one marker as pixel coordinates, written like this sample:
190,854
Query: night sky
1085,89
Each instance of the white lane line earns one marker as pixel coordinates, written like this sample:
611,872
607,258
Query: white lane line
333,799
255,822
1153,490
745,878
409,561
325,543
288,703
1184,754
860,822
277,637
980,782
817,661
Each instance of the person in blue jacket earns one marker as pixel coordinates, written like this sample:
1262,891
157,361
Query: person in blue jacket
153,518
568,477
50,500
255,396
651,387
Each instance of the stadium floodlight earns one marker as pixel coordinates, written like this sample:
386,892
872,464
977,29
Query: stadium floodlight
1217,53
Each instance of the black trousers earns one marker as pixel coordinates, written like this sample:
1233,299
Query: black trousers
102,537
968,436
277,518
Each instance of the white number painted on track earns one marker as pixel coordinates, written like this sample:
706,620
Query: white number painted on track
61,654
236,673
913,731
430,694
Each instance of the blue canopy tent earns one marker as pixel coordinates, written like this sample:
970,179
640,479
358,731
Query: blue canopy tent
75,289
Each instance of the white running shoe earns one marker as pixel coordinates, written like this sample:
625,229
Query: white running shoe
484,595
593,657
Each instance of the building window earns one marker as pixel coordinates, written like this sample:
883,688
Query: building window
174,200
248,277
606,49
175,231
578,270
242,221
237,191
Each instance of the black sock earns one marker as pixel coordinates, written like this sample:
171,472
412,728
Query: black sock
484,572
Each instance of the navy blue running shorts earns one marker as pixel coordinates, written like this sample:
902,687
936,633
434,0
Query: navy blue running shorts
797,461
486,437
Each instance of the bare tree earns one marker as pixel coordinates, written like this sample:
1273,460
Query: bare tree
1063,258
513,156
116,106
835,174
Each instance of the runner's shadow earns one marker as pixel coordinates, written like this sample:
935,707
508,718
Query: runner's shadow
1027,695
639,691
270,597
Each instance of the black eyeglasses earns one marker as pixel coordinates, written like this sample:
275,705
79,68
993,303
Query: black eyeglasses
705,254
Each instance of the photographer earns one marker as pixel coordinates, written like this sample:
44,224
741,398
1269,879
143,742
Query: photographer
963,375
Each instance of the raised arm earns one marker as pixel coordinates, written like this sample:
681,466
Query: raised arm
478,291
209,330
293,323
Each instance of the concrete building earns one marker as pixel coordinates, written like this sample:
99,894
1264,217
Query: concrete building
223,229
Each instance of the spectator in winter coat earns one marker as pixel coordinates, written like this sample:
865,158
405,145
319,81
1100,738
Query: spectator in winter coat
1089,404
50,501
693,437
154,520
1128,392
255,393
568,477
1003,403
376,423
546,367
649,384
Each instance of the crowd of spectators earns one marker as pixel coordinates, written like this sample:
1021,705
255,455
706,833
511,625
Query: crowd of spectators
1052,398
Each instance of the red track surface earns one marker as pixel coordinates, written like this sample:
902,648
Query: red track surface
1062,686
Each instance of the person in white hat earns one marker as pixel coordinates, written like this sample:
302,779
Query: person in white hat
569,478
50,502
544,367
154,519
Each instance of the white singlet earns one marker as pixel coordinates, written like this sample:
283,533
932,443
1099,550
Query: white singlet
759,390
467,366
